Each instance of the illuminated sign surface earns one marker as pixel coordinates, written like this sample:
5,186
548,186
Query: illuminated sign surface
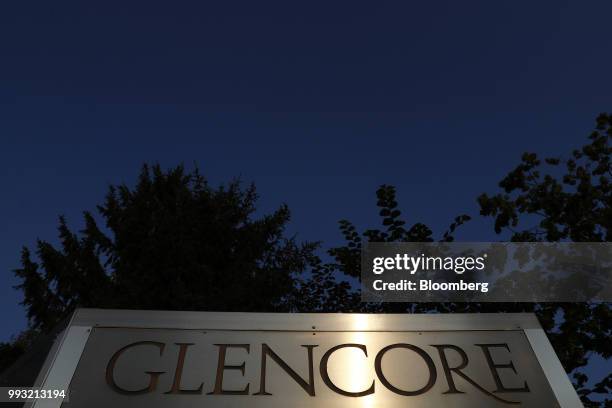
178,359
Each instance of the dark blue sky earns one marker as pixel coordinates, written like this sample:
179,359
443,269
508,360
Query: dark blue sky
317,103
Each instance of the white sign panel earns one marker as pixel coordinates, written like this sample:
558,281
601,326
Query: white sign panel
190,359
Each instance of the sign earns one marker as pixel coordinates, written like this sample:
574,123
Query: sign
110,358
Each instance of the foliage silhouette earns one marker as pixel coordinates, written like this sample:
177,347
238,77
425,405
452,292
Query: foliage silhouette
171,242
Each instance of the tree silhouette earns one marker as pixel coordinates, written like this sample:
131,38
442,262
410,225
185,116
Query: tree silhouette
573,201
171,242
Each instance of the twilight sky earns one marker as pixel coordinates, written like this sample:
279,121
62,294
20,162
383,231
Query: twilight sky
317,103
